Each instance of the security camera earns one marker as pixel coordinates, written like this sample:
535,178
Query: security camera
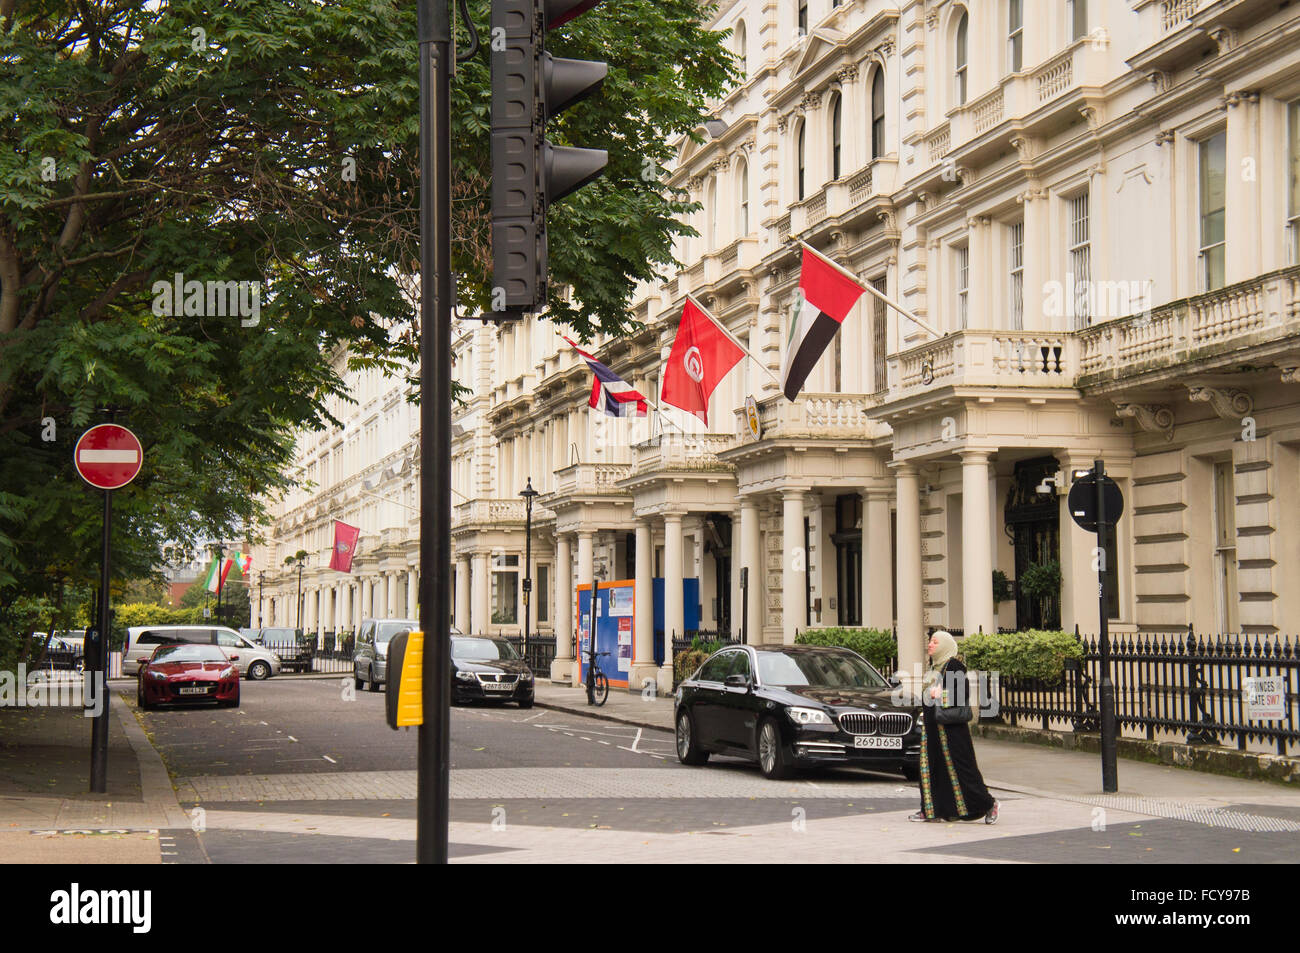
1047,487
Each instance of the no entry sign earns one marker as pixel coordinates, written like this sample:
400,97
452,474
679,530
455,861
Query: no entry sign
108,457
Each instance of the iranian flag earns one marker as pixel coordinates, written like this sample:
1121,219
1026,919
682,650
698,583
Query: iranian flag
826,295
218,569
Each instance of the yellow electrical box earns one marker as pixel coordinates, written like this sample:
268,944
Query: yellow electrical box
404,697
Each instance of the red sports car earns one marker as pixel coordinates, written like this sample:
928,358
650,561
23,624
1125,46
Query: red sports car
181,674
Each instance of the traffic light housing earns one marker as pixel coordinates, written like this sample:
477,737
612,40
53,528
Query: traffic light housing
530,86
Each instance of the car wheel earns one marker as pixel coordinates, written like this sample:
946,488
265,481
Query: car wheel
259,671
526,704
371,684
357,678
912,772
688,747
772,759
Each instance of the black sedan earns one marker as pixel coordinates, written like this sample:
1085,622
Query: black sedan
791,706
484,669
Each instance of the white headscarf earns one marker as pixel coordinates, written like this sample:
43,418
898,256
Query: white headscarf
947,650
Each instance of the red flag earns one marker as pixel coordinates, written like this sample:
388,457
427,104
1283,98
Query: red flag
701,357
345,546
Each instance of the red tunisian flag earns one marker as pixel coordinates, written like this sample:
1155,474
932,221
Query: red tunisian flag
345,546
702,355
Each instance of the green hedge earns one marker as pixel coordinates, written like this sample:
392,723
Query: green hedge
1030,654
686,662
877,646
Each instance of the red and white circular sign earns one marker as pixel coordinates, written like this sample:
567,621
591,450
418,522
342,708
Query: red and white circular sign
108,456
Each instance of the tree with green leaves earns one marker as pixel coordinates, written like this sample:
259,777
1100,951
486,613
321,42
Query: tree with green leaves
269,144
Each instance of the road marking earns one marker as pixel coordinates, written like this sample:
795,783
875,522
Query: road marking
329,759
292,738
601,742
637,740
263,723
531,717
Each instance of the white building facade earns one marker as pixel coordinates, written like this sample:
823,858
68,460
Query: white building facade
1098,206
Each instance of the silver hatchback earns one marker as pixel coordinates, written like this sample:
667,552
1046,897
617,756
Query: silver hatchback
254,662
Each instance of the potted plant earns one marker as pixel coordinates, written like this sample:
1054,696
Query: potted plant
1001,588
1041,580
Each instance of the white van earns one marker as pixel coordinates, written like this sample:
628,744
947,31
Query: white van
253,661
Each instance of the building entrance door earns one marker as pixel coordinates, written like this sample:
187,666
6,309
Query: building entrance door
1033,523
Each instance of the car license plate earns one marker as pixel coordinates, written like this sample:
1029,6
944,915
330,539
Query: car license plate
499,686
199,690
875,741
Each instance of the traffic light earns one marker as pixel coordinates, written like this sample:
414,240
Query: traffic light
529,86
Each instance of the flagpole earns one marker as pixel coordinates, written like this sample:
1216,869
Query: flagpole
867,286
732,338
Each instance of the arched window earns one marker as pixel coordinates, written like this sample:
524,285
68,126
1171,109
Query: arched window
799,160
961,75
835,136
742,46
742,179
878,114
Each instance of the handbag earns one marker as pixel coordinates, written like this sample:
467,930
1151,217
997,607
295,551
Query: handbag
951,714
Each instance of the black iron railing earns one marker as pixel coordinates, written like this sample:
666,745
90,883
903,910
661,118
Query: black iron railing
1178,682
540,654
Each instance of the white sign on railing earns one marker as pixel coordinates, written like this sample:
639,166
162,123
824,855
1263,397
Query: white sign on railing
1265,697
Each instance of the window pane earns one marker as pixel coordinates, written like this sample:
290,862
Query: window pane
543,593
1079,10
878,115
1213,175
1293,179
505,599
1017,289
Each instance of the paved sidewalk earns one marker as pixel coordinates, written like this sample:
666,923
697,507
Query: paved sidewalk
47,814
1007,766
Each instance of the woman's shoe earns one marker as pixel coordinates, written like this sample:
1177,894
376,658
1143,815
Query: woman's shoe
992,816
919,817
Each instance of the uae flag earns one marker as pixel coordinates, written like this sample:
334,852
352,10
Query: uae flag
826,295
218,569
345,546
702,355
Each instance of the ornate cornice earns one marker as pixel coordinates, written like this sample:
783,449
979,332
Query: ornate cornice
1153,418
1230,403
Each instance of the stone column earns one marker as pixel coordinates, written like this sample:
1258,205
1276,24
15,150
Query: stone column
586,577
479,615
366,598
749,558
391,605
413,598
345,610
643,635
794,566
976,543
877,561
562,667
462,594
1078,578
674,621
911,632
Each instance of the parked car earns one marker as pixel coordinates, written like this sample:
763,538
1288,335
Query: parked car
484,669
254,662
186,673
370,657
794,706
293,648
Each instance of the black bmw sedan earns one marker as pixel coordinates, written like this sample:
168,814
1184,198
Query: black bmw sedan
791,706
484,669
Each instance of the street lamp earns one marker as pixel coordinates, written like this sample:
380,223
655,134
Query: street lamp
261,577
221,551
528,493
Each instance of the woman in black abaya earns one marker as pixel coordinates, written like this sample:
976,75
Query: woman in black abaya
951,785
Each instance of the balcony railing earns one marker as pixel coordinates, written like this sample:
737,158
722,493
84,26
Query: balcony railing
814,415
843,198
591,479
987,358
1197,327
679,451
490,512
1174,13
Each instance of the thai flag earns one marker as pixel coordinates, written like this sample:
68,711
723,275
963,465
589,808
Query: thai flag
609,392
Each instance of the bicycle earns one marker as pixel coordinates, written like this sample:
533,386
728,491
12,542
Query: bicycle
597,683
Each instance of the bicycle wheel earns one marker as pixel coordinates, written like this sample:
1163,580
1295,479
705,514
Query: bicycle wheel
600,691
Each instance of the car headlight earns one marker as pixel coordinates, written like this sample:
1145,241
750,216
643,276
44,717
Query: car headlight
808,716
526,677
229,673
465,676
158,675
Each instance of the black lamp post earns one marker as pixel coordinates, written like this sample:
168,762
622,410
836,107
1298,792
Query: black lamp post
528,493
261,578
